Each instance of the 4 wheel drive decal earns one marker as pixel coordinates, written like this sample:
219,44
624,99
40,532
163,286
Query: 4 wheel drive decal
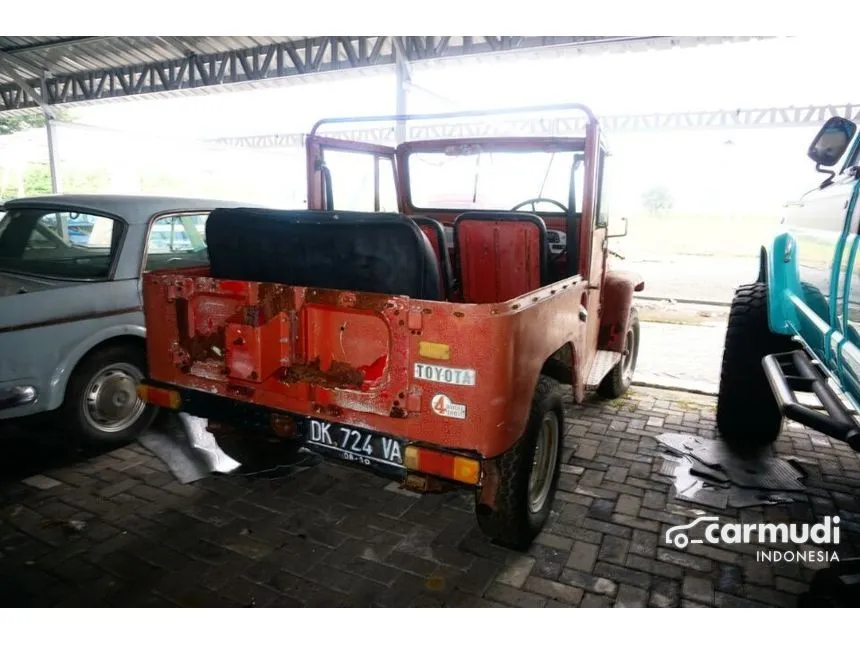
444,407
444,374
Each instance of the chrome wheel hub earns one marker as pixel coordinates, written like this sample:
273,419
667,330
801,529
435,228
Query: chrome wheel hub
629,356
110,401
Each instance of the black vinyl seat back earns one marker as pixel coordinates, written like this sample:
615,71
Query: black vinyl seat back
373,252
435,232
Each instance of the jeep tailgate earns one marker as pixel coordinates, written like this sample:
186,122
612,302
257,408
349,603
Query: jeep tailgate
278,345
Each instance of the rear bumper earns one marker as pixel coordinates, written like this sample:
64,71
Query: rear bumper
794,372
429,476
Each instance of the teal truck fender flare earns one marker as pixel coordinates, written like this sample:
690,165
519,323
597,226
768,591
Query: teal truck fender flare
778,269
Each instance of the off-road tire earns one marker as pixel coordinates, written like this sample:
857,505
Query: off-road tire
512,523
748,418
618,380
71,413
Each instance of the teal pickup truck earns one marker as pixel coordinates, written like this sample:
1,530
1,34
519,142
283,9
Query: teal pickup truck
792,347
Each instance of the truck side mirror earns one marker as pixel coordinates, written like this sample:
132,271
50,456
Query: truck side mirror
624,234
832,141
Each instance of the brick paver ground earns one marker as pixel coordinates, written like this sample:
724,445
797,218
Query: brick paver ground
117,530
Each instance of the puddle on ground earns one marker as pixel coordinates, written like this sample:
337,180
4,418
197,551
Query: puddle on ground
706,472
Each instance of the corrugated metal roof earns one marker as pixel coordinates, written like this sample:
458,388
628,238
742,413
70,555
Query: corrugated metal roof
88,68
31,55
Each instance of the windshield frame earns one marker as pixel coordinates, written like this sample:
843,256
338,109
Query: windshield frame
45,209
514,145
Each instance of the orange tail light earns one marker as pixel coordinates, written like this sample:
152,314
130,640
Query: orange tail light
159,396
431,462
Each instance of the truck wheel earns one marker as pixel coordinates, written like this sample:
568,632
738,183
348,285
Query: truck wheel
528,473
748,418
619,379
101,401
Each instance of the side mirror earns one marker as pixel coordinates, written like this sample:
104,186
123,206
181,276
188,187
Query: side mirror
832,141
624,234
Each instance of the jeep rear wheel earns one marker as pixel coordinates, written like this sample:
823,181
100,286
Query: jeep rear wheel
528,473
748,418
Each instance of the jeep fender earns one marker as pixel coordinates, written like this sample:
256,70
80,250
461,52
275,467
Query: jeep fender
618,288
60,377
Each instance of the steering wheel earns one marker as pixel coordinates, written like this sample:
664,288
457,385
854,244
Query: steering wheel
537,200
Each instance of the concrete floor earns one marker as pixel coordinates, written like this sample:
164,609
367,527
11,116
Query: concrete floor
681,356
697,277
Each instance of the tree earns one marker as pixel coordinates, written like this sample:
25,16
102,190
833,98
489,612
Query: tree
657,200
37,180
17,122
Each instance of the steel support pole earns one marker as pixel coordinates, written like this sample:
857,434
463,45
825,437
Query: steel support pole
400,128
402,76
52,138
52,153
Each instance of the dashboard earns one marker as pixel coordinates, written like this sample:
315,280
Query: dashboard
557,240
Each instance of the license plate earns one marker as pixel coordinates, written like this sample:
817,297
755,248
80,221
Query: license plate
356,444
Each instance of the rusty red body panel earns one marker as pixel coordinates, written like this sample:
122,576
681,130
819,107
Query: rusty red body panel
618,288
349,357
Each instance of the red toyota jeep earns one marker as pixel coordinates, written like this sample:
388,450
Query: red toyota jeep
419,319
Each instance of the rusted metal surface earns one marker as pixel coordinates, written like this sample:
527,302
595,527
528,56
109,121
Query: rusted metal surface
338,375
618,288
490,480
427,484
379,391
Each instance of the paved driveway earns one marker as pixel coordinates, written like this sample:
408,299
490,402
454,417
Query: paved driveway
681,356
115,529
